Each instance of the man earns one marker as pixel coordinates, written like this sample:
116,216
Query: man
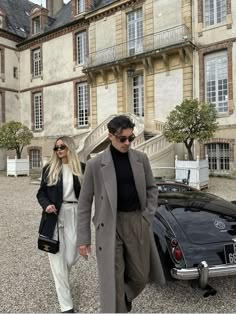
125,193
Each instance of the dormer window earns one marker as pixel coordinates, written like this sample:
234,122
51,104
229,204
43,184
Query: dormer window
39,19
80,6
2,19
36,25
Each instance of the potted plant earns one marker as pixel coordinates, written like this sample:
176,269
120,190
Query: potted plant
192,120
15,136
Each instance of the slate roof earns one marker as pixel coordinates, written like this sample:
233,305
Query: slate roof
17,16
62,17
97,4
18,19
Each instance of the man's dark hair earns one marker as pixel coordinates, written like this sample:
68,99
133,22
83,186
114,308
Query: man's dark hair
120,123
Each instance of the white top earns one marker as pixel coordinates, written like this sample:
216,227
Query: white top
68,186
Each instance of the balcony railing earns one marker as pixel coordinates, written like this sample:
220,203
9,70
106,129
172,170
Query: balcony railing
169,37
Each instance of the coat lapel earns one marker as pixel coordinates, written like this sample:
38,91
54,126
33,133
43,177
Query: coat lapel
109,178
139,177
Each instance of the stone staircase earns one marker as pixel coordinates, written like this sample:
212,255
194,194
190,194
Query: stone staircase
148,135
100,134
159,151
35,176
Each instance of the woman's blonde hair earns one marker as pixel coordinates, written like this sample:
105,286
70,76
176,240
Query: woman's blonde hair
55,164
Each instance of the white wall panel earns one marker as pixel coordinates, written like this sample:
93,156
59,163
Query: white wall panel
105,33
166,15
168,93
106,101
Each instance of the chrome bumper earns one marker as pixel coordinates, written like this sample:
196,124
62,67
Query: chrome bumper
203,272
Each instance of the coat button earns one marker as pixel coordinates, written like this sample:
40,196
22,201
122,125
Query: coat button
100,248
102,224
101,197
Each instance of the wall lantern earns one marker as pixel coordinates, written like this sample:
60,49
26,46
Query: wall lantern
130,72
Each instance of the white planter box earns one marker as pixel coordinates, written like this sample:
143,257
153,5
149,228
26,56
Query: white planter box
199,172
16,167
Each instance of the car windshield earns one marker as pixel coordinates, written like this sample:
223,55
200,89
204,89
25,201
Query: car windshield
195,201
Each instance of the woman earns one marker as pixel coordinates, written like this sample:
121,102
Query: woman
58,196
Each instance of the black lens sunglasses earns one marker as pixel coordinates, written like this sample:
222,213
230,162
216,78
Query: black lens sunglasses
62,147
122,139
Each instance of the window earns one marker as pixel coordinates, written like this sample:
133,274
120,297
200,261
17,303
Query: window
1,110
135,31
15,72
36,25
2,62
81,47
35,161
214,12
218,156
80,6
1,20
216,80
37,107
36,62
138,95
82,103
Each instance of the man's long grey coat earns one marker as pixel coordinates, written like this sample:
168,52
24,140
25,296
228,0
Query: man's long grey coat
100,180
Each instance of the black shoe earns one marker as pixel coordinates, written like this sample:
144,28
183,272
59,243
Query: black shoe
128,304
69,311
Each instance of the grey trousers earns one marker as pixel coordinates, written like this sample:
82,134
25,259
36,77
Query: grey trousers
132,261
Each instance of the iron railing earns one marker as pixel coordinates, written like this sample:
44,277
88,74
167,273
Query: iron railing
156,41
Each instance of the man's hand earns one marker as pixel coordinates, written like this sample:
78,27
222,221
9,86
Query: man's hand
51,209
84,250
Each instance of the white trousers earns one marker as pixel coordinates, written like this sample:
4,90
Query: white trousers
68,254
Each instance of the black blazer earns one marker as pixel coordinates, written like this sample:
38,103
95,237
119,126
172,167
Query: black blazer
48,195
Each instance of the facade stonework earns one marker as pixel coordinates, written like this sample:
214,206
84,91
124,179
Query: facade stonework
137,56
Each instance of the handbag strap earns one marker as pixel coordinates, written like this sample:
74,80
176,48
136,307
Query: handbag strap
57,231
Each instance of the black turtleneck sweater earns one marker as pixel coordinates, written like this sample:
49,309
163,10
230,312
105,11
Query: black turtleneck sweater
127,196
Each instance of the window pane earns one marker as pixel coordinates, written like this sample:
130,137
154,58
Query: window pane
34,158
220,11
81,48
214,12
36,25
218,156
138,95
216,80
1,113
135,31
38,111
82,96
209,12
37,62
80,6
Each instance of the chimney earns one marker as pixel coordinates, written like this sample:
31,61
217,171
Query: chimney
54,6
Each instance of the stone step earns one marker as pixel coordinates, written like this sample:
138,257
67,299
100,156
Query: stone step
148,135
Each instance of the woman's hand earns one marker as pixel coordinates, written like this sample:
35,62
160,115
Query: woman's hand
51,209
84,250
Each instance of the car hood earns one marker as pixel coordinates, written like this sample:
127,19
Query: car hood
203,217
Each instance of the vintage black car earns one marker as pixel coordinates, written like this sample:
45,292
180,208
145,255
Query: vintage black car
172,186
195,233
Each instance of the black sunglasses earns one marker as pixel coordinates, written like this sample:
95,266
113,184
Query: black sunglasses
122,139
62,147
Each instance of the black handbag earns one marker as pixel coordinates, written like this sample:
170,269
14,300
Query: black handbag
49,245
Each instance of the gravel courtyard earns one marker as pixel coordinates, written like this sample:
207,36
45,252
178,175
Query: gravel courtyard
26,283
